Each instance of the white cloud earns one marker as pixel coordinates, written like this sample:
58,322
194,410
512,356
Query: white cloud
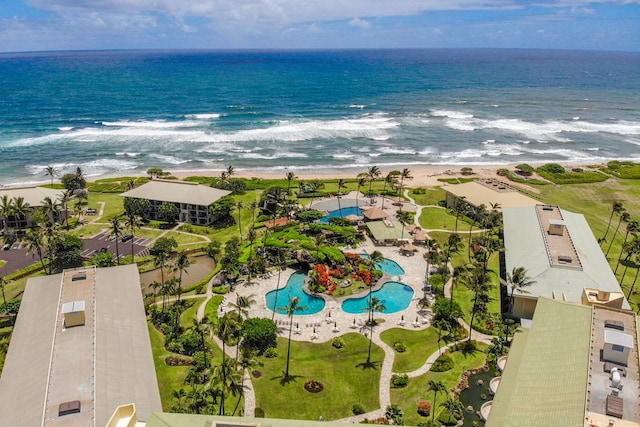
360,23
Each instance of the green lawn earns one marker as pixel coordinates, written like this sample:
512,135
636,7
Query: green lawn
441,219
169,377
90,230
187,316
113,204
409,397
420,345
148,233
185,239
346,381
431,196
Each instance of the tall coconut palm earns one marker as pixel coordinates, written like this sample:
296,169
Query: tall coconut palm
132,221
226,330
243,304
517,280
372,174
404,218
290,176
616,208
441,325
6,210
291,308
632,248
436,387
64,200
479,283
632,228
50,210
388,180
341,185
239,206
361,181
50,171
35,244
4,298
624,217
375,259
182,265
115,229
633,284
279,263
375,305
405,174
454,409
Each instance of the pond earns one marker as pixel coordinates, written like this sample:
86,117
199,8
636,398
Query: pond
389,266
201,267
294,288
395,296
473,396
344,212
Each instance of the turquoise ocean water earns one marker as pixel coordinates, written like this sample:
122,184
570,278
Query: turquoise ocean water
121,112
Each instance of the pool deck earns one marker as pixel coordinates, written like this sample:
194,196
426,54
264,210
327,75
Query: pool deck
332,321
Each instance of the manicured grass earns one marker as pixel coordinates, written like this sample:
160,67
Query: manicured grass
420,345
431,196
409,397
342,372
211,310
433,218
187,316
148,233
113,204
169,377
185,239
90,230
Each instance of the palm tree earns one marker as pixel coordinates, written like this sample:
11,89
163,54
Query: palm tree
202,327
279,262
227,377
64,199
226,330
375,304
35,243
4,298
441,325
436,387
404,218
405,174
132,221
115,229
20,209
632,248
50,171
182,265
633,284
319,239
239,207
518,280
624,217
341,185
372,174
361,181
242,304
616,208
6,210
50,210
314,186
632,228
454,408
431,257
291,308
479,283
290,176
375,258
389,179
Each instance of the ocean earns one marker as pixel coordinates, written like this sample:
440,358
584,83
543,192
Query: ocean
122,112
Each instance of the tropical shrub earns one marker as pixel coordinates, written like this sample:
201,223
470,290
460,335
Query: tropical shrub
271,353
399,380
338,342
424,408
442,364
357,409
399,346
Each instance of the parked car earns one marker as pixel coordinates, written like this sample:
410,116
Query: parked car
127,237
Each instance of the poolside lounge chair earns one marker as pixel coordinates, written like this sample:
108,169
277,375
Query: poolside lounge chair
615,406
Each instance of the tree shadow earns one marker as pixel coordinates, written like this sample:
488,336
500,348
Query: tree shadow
284,380
368,365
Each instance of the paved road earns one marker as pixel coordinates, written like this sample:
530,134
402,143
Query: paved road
102,240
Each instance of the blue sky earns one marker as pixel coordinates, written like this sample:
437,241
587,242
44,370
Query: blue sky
35,25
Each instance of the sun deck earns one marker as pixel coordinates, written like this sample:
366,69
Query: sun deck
560,248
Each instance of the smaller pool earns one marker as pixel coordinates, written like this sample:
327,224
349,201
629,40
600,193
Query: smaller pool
293,288
389,266
395,296
342,212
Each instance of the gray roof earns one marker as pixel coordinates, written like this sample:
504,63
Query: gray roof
31,195
177,192
121,364
525,247
477,194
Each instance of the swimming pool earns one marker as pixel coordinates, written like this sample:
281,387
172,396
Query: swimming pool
389,266
395,296
345,211
293,288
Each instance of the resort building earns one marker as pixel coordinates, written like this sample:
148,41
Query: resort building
575,366
191,199
80,348
32,198
561,255
486,192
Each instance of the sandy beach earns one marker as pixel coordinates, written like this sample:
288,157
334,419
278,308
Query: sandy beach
423,175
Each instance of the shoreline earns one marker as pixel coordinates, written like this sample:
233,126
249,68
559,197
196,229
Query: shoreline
423,175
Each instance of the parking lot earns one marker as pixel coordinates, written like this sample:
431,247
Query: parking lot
104,242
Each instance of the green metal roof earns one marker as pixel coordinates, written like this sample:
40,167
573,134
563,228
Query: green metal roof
544,382
381,231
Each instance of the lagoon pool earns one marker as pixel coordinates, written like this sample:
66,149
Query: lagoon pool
389,266
345,211
395,296
293,288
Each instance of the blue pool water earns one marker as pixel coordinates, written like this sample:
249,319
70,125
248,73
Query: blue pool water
293,288
352,210
395,296
389,266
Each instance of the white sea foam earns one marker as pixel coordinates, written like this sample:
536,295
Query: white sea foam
274,156
204,116
65,128
358,106
152,124
451,114
127,154
395,150
172,160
